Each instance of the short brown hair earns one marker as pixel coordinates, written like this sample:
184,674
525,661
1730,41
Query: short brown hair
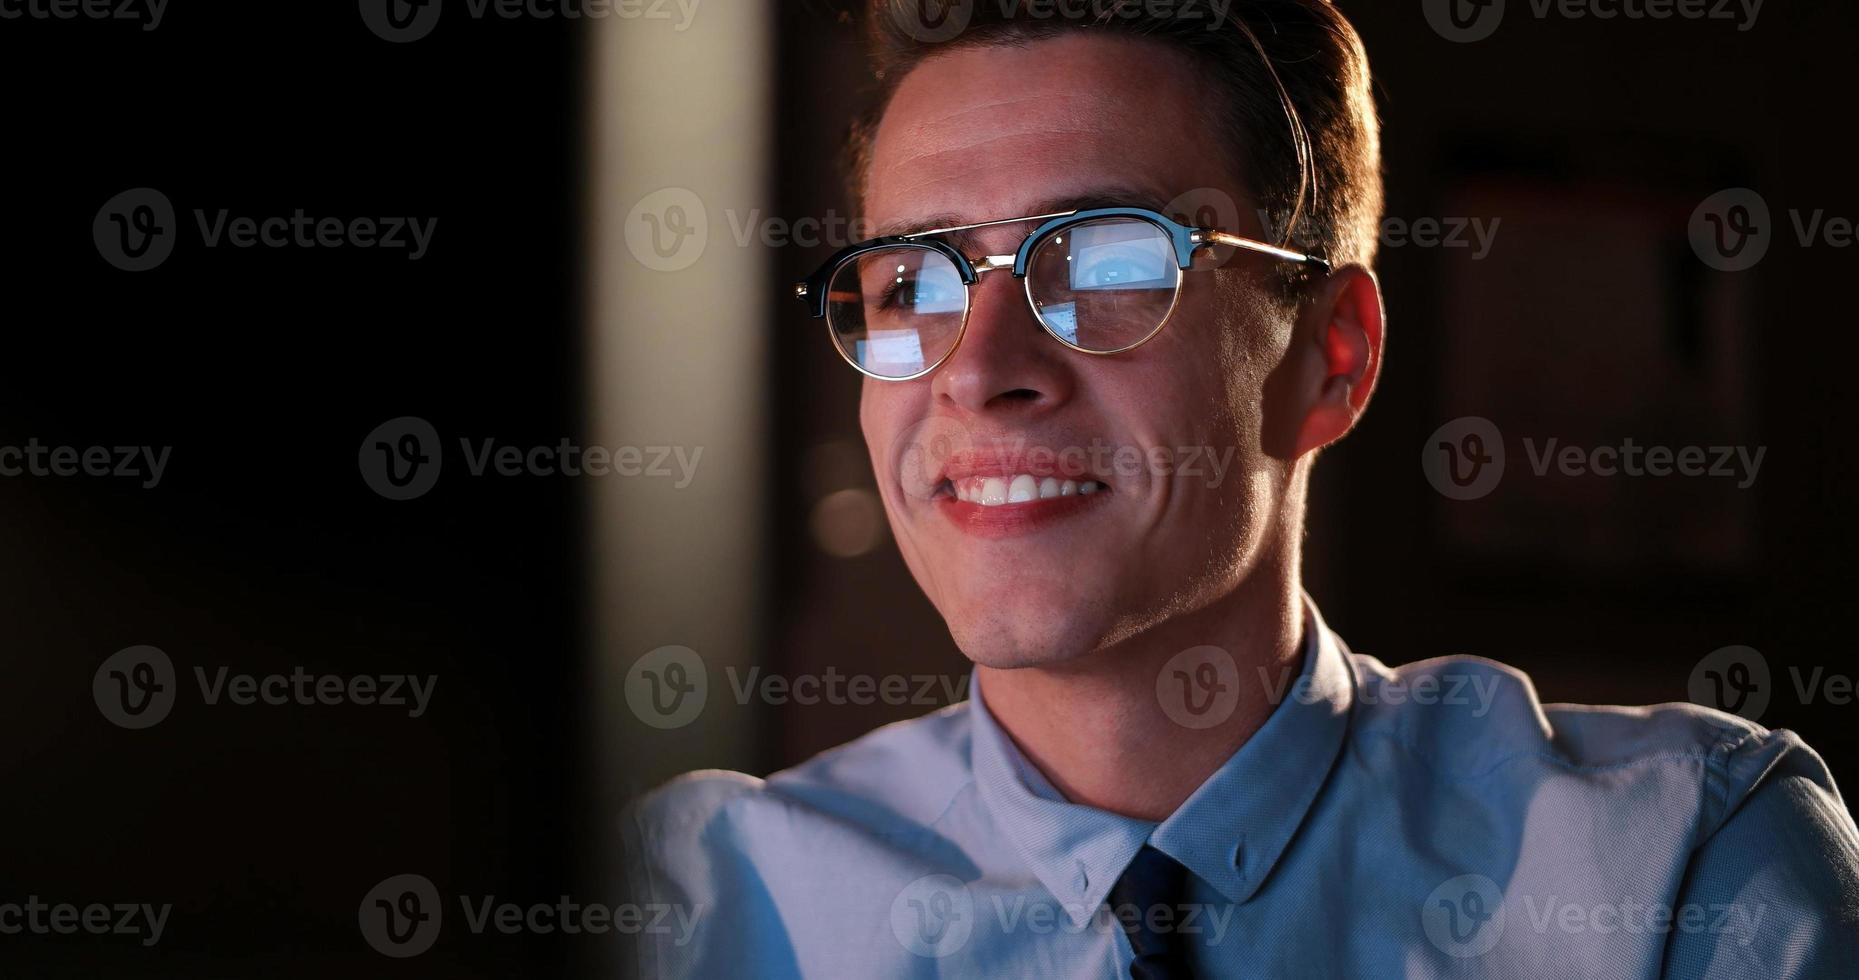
1297,111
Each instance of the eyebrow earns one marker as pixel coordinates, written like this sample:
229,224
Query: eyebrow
1102,197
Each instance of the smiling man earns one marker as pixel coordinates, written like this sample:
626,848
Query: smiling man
1169,765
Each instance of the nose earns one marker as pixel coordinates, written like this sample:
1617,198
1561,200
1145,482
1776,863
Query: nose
1006,364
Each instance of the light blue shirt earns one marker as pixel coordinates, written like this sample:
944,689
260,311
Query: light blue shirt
1431,820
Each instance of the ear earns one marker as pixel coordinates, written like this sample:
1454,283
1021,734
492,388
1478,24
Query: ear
1343,326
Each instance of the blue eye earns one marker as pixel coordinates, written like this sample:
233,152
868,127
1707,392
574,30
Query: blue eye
1111,267
922,291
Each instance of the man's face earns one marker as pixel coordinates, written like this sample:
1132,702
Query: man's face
1176,432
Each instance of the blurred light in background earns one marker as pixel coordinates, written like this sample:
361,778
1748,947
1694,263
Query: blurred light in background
678,142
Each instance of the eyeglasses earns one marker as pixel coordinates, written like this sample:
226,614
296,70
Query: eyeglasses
1100,281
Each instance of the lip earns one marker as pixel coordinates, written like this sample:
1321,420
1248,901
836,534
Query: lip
1038,462
1011,520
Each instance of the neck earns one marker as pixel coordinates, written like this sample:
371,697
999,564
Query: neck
1095,726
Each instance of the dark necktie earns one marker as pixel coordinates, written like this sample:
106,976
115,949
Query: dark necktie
1153,879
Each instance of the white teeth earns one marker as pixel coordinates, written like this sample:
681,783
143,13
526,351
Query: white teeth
1019,488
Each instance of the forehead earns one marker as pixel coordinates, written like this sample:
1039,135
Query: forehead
990,131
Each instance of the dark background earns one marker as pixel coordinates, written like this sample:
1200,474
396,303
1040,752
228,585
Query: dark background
262,549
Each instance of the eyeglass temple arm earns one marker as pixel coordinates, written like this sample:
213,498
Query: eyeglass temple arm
1210,237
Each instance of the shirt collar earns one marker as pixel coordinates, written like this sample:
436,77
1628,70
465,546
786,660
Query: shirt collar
1230,832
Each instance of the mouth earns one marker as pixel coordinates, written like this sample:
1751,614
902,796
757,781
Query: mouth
991,496
1012,490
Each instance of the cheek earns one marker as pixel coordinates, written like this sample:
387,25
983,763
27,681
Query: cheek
886,415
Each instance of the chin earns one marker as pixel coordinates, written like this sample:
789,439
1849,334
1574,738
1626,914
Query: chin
1026,634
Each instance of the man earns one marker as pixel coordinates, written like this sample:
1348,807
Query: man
1169,766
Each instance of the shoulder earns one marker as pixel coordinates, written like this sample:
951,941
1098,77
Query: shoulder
1465,718
899,776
